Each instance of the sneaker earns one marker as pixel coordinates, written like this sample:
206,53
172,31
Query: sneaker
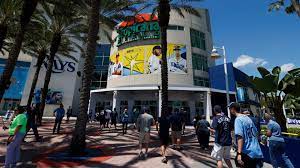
145,155
141,154
164,160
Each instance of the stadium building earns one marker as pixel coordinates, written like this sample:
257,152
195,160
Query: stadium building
134,72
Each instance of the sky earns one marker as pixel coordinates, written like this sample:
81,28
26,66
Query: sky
253,36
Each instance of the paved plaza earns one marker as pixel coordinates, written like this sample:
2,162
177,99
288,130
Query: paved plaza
117,150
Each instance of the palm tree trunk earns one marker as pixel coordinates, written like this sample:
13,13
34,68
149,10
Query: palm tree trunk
78,143
3,33
28,8
279,116
40,59
53,50
163,19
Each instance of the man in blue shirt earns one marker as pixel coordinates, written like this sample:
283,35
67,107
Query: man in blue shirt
249,154
59,114
276,144
223,141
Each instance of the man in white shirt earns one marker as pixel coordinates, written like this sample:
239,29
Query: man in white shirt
117,67
154,61
176,63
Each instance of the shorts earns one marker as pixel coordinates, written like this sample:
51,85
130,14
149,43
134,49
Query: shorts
220,152
164,139
249,162
176,134
144,137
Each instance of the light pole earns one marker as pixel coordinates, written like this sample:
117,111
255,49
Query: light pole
215,55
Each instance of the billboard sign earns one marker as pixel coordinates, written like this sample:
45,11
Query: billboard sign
146,59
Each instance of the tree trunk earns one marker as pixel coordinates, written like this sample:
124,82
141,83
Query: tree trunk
40,59
296,6
280,119
3,33
53,50
163,19
28,8
78,143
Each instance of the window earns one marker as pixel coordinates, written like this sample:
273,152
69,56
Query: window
198,39
200,81
199,108
199,62
175,27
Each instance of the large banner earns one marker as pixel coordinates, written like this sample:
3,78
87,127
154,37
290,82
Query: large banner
147,60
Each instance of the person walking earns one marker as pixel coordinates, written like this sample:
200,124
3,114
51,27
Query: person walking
202,132
277,153
107,118
176,127
31,119
17,131
59,114
143,124
164,135
125,119
249,154
114,116
135,116
69,113
182,114
102,119
222,129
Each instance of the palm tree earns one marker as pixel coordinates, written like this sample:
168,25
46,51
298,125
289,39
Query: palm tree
105,13
28,8
78,143
9,11
163,9
277,91
64,24
37,44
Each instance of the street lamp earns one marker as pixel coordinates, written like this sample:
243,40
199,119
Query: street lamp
215,55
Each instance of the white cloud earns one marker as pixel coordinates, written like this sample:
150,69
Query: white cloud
287,67
244,60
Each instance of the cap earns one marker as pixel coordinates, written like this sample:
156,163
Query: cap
156,47
234,105
117,55
176,48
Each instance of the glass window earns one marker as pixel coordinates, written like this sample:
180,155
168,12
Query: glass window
175,27
198,39
199,62
200,81
106,61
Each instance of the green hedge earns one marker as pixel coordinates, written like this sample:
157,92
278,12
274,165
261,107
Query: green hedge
290,130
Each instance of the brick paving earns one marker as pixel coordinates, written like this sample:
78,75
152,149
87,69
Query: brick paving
123,149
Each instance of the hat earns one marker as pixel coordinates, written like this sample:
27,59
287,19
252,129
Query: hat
176,48
234,105
156,47
117,55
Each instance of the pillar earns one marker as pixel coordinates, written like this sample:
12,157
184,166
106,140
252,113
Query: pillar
114,101
159,102
207,105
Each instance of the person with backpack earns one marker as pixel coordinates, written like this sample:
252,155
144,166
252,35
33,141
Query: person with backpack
222,129
125,120
202,131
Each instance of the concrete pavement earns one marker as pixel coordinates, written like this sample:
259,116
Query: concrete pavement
119,150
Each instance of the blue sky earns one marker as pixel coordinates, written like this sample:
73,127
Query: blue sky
254,36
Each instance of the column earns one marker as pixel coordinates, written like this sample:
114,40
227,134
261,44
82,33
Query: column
192,109
92,105
159,102
114,102
207,105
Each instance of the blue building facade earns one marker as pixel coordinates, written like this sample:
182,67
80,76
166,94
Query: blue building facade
13,95
238,82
